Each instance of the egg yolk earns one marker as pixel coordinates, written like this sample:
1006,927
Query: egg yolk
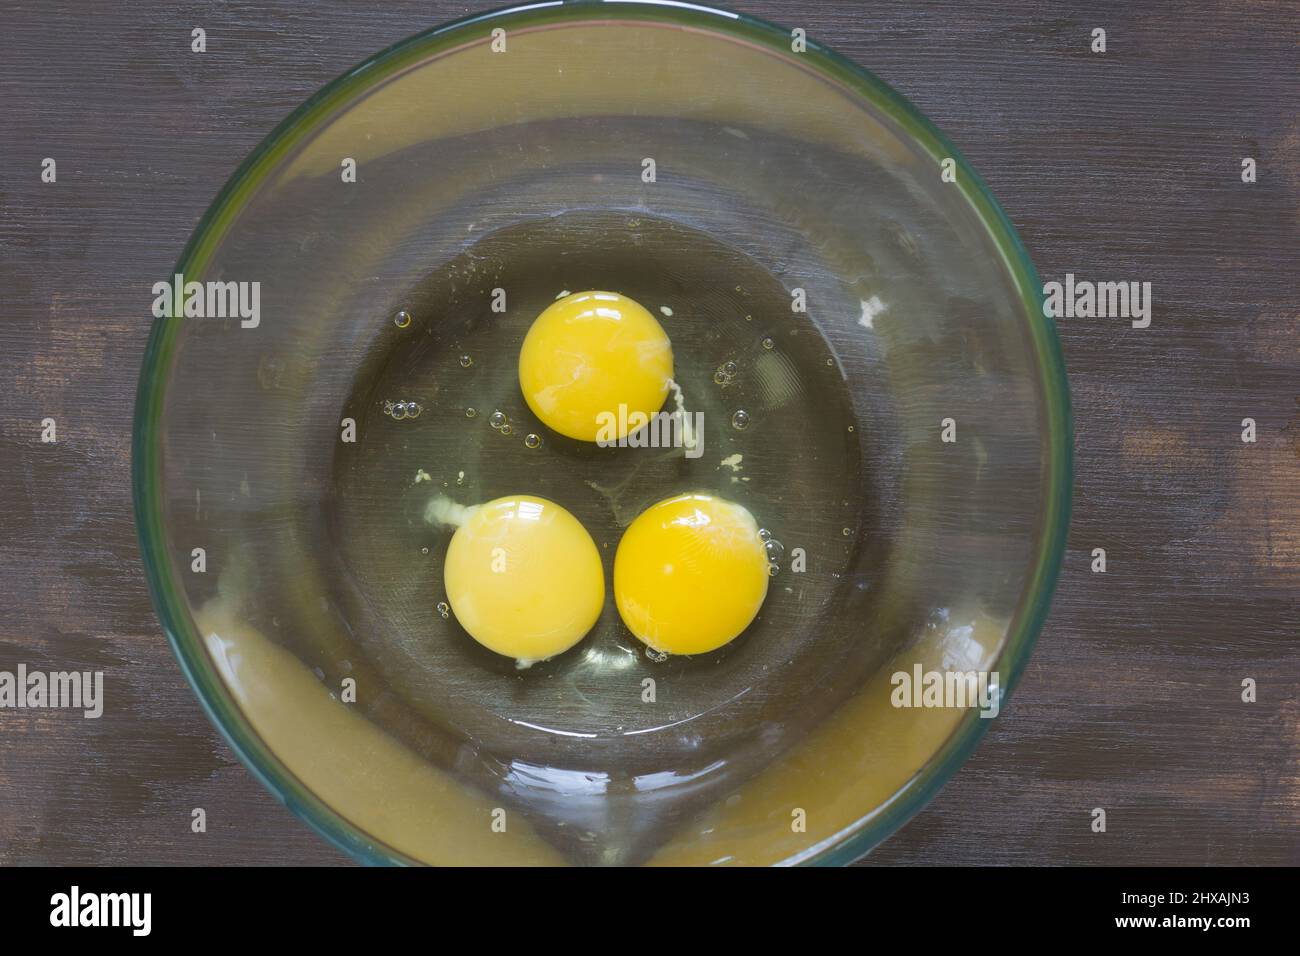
690,574
524,577
589,354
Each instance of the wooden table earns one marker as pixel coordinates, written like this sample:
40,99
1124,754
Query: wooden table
1122,166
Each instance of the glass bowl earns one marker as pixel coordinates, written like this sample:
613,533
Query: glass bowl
824,262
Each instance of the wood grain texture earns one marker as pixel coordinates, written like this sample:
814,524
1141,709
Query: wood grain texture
1122,166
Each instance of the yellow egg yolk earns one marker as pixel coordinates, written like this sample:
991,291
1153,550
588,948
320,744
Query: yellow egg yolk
524,577
690,574
595,366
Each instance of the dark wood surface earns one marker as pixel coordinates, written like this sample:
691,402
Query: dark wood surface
1117,166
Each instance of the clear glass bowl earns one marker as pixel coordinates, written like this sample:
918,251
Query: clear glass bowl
511,150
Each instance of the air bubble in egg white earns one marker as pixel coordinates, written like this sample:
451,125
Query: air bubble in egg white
740,419
400,411
725,373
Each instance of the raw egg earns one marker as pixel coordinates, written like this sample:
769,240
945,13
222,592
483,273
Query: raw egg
588,354
523,577
690,574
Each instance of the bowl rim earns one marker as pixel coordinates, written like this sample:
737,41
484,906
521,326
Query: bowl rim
187,644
